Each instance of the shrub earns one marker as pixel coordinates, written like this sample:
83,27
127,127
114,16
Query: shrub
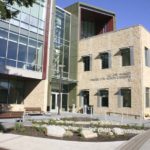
19,127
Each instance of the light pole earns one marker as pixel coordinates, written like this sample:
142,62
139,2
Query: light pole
60,87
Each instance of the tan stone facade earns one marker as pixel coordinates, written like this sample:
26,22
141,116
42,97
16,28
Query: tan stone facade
136,77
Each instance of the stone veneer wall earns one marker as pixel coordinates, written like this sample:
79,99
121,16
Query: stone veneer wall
145,41
112,41
34,94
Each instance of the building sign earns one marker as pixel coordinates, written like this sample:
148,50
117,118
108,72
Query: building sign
115,76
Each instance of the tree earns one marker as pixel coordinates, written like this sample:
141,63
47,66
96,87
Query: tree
6,13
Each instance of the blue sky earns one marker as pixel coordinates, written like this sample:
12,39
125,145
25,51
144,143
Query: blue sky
128,12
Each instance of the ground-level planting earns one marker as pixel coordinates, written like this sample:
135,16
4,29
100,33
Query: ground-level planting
77,129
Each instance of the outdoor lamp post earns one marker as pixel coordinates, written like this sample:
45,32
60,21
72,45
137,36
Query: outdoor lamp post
60,87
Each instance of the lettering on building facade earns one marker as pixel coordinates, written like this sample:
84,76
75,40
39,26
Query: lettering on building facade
114,76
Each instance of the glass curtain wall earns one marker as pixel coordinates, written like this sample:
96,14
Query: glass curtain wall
22,44
11,91
61,43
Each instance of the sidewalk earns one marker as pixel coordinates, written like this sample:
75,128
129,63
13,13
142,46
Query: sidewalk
140,142
19,142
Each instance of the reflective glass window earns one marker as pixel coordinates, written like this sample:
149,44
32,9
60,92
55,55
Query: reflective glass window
21,65
12,50
39,57
24,25
33,21
26,9
32,55
13,37
33,29
3,46
12,97
11,63
126,59
33,42
40,44
14,22
103,98
42,12
67,27
40,31
19,87
3,91
22,55
23,40
86,62
41,24
66,59
35,10
105,60
24,17
2,61
3,34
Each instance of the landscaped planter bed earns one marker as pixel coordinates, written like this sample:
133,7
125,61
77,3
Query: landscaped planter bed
77,129
32,131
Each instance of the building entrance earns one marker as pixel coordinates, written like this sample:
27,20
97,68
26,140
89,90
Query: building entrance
55,101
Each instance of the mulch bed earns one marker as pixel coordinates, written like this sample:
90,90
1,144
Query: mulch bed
31,131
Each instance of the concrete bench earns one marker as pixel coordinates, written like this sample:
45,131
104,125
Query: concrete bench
33,110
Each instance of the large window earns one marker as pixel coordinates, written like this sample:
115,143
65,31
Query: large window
103,98
22,55
61,51
147,98
124,97
147,57
11,91
127,56
23,47
87,63
105,60
3,46
12,50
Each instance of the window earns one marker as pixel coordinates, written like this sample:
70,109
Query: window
84,98
103,98
12,50
11,91
147,57
124,96
147,101
3,91
3,46
32,55
22,55
87,63
127,56
105,60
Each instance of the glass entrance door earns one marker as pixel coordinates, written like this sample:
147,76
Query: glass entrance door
54,101
63,102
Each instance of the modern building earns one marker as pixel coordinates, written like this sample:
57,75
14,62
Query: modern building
62,64
24,50
57,59
112,66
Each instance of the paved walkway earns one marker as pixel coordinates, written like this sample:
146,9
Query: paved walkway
113,118
18,142
140,142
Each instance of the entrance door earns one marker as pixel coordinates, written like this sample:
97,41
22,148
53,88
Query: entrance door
63,101
54,101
